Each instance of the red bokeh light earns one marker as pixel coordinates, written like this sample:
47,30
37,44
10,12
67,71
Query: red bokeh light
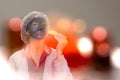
14,24
99,34
102,49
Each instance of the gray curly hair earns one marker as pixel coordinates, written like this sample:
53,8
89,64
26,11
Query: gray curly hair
24,35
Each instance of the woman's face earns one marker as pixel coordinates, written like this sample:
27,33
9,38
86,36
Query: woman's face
37,28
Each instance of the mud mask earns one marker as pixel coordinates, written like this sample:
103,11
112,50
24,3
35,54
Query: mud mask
37,28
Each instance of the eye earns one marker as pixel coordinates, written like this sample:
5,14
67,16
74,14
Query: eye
43,24
35,24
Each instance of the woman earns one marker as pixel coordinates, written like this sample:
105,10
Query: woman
36,61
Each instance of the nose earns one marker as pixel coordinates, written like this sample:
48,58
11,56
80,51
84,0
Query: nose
41,27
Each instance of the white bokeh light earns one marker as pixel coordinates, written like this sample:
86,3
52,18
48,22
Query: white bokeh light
85,46
115,58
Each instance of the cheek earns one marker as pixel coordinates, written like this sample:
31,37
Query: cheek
33,29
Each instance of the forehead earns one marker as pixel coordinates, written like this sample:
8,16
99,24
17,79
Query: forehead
37,19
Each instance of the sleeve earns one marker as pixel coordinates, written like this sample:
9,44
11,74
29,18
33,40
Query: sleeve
56,68
12,63
61,69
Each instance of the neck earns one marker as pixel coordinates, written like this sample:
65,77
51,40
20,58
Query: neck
35,49
36,46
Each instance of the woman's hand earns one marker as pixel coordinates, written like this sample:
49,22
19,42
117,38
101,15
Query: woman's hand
62,42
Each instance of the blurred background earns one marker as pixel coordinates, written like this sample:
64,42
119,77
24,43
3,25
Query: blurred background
91,26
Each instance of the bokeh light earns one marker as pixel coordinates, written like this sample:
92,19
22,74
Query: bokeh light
115,57
99,33
14,24
64,24
103,49
79,26
85,46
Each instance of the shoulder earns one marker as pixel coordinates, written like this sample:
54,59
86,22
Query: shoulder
16,54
